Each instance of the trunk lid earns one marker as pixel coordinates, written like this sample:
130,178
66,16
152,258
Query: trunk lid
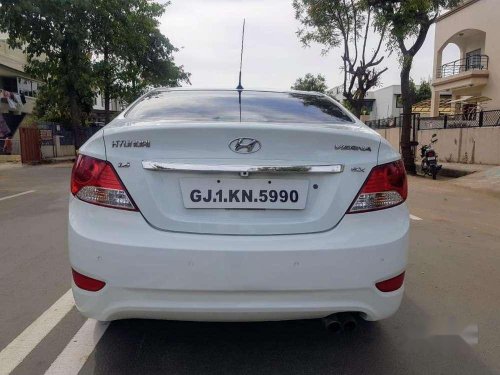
130,146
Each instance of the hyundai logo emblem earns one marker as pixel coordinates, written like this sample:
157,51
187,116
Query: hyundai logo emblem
245,145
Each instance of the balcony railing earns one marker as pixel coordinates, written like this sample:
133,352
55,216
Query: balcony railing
474,62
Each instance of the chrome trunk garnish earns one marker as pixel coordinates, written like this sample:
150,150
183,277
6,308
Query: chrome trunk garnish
185,167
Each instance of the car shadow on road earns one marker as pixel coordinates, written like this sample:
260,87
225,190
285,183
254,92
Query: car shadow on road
296,347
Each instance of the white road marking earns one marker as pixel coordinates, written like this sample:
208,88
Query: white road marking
413,217
71,360
14,353
17,195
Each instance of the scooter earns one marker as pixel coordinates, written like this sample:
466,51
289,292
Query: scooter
430,164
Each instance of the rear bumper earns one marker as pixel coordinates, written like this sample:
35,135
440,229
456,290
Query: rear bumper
155,274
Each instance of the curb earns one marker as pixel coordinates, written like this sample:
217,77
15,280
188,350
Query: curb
455,173
70,159
451,172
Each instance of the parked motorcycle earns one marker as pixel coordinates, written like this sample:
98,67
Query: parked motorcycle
430,164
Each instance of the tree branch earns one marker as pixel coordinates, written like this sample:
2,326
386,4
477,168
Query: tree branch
366,33
422,34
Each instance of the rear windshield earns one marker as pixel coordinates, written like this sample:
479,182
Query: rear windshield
254,106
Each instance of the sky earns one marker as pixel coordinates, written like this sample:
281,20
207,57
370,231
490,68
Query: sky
208,34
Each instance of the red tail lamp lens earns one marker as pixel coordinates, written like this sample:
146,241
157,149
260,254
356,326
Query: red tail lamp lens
385,187
95,181
392,284
87,283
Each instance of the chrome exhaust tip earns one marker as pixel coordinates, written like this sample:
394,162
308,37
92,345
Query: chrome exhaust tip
347,321
332,323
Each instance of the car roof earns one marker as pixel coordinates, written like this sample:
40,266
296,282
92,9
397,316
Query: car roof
166,89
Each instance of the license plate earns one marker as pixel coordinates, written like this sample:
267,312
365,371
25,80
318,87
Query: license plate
431,158
244,193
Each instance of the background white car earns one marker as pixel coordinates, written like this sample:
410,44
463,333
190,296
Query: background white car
227,205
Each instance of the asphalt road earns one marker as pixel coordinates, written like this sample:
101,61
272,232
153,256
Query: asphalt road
449,322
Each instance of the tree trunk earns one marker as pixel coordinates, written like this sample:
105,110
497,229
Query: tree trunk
356,111
359,103
75,116
406,149
107,85
355,106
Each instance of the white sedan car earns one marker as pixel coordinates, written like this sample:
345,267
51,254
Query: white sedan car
237,205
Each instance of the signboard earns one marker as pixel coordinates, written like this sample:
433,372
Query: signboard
46,137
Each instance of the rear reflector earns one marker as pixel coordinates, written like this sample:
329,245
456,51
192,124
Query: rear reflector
385,187
392,284
95,181
87,283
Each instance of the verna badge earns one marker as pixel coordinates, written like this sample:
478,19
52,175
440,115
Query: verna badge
352,148
245,145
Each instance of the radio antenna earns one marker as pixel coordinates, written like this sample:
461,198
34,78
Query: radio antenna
240,87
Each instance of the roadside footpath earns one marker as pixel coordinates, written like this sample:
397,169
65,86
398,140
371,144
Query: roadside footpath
460,170
479,177
4,166
486,181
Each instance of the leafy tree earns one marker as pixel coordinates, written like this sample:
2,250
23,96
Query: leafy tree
131,53
76,46
151,66
108,34
345,24
50,106
419,93
311,83
423,92
57,47
409,21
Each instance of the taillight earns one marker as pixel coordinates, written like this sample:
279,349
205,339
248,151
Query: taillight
385,187
87,283
431,153
95,181
391,284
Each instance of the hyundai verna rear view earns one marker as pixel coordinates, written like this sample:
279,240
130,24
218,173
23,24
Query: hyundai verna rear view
237,205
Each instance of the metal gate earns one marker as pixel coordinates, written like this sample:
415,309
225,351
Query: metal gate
30,145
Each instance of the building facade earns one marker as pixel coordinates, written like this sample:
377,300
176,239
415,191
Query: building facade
98,115
474,78
386,102
381,103
17,90
337,93
16,83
